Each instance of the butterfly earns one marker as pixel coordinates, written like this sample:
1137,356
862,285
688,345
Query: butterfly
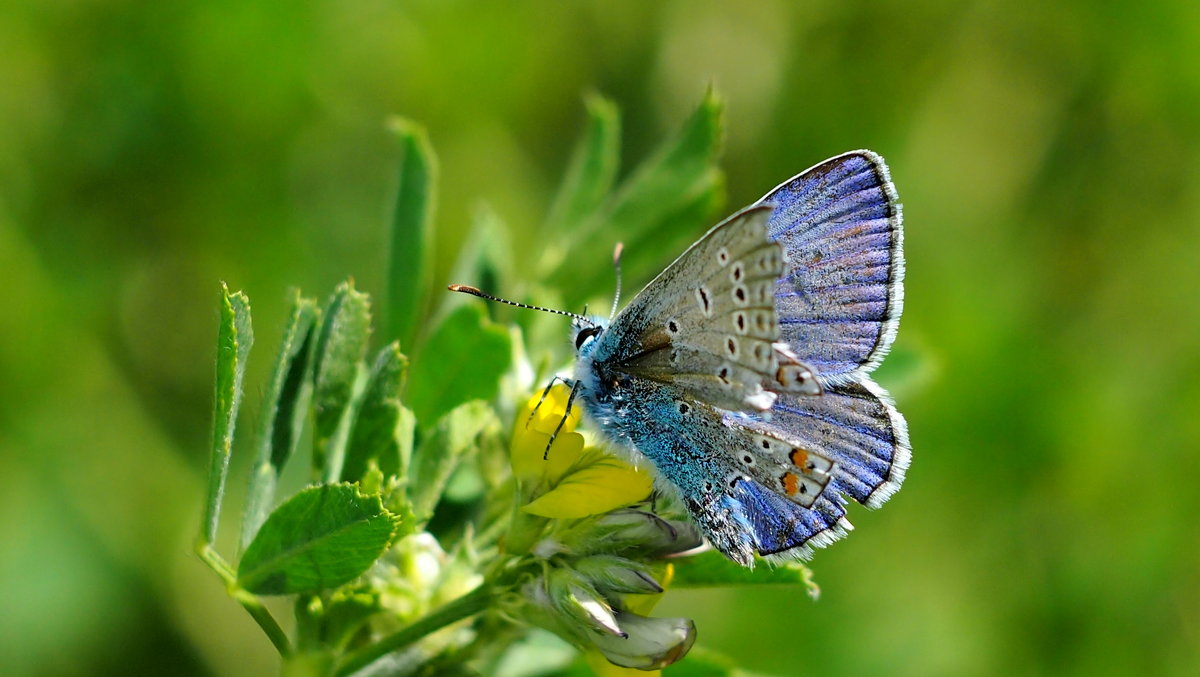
742,371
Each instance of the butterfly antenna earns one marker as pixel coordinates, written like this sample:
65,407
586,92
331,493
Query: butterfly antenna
466,289
617,265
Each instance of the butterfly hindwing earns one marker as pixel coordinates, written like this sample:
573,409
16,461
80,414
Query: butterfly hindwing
745,497
853,425
840,300
799,461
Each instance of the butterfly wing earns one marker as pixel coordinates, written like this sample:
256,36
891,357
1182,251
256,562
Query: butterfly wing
853,426
707,324
761,451
750,491
781,480
839,302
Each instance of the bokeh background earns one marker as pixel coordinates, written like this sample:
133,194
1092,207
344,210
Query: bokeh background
1045,154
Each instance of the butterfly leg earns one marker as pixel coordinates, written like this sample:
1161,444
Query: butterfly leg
546,393
566,415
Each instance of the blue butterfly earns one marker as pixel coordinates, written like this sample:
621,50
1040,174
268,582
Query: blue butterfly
742,371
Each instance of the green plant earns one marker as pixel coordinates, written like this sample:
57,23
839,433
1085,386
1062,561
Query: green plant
438,532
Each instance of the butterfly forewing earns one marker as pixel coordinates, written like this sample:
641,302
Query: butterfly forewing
707,324
840,301
702,375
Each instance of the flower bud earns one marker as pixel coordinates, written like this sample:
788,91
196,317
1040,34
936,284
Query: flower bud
650,644
617,575
571,603
580,604
650,534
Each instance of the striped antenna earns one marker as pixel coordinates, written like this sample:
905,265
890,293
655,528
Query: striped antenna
466,289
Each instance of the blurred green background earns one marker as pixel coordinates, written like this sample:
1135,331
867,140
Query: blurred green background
1045,154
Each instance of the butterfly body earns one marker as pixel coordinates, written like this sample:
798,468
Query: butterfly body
741,371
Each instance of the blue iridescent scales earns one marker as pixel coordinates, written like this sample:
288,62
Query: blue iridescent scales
742,371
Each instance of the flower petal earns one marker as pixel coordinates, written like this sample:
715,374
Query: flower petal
531,433
532,462
598,487
548,415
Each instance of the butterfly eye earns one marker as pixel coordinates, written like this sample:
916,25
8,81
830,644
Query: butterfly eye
585,334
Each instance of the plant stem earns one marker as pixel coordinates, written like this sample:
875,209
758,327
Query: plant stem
468,605
254,606
251,603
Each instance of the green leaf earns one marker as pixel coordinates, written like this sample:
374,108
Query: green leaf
322,537
284,412
643,255
406,430
465,484
440,452
411,233
376,427
341,345
463,360
395,499
666,195
234,338
493,460
593,168
486,258
711,569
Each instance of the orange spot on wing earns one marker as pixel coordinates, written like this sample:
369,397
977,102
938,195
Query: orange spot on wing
791,483
799,457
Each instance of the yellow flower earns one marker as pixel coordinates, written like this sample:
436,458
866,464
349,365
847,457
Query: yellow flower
570,480
606,576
